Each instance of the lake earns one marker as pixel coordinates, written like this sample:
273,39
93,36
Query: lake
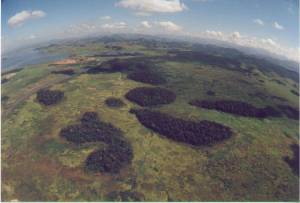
29,56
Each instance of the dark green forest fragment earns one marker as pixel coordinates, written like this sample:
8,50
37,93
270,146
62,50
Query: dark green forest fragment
189,132
289,111
111,159
148,77
111,66
49,97
150,96
119,65
91,129
237,108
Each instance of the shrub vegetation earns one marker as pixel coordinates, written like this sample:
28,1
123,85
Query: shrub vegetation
114,102
4,80
295,92
294,161
4,98
65,72
210,93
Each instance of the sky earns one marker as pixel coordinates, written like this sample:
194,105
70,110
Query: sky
268,24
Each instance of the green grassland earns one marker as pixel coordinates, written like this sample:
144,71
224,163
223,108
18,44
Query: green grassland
37,164
94,47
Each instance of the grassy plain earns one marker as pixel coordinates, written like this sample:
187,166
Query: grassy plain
37,164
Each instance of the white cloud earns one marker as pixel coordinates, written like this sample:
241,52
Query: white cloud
212,33
202,1
269,41
31,37
268,44
119,25
38,14
150,6
19,18
27,38
146,24
80,29
278,26
169,26
235,35
105,18
258,21
142,14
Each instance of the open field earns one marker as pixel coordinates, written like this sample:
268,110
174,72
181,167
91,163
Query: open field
39,164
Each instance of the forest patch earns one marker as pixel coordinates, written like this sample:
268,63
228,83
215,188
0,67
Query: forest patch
49,97
189,132
148,77
150,96
237,108
289,111
109,160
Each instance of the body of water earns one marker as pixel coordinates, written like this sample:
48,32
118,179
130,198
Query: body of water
29,56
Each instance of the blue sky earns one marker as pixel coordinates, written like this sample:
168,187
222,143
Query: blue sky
269,24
